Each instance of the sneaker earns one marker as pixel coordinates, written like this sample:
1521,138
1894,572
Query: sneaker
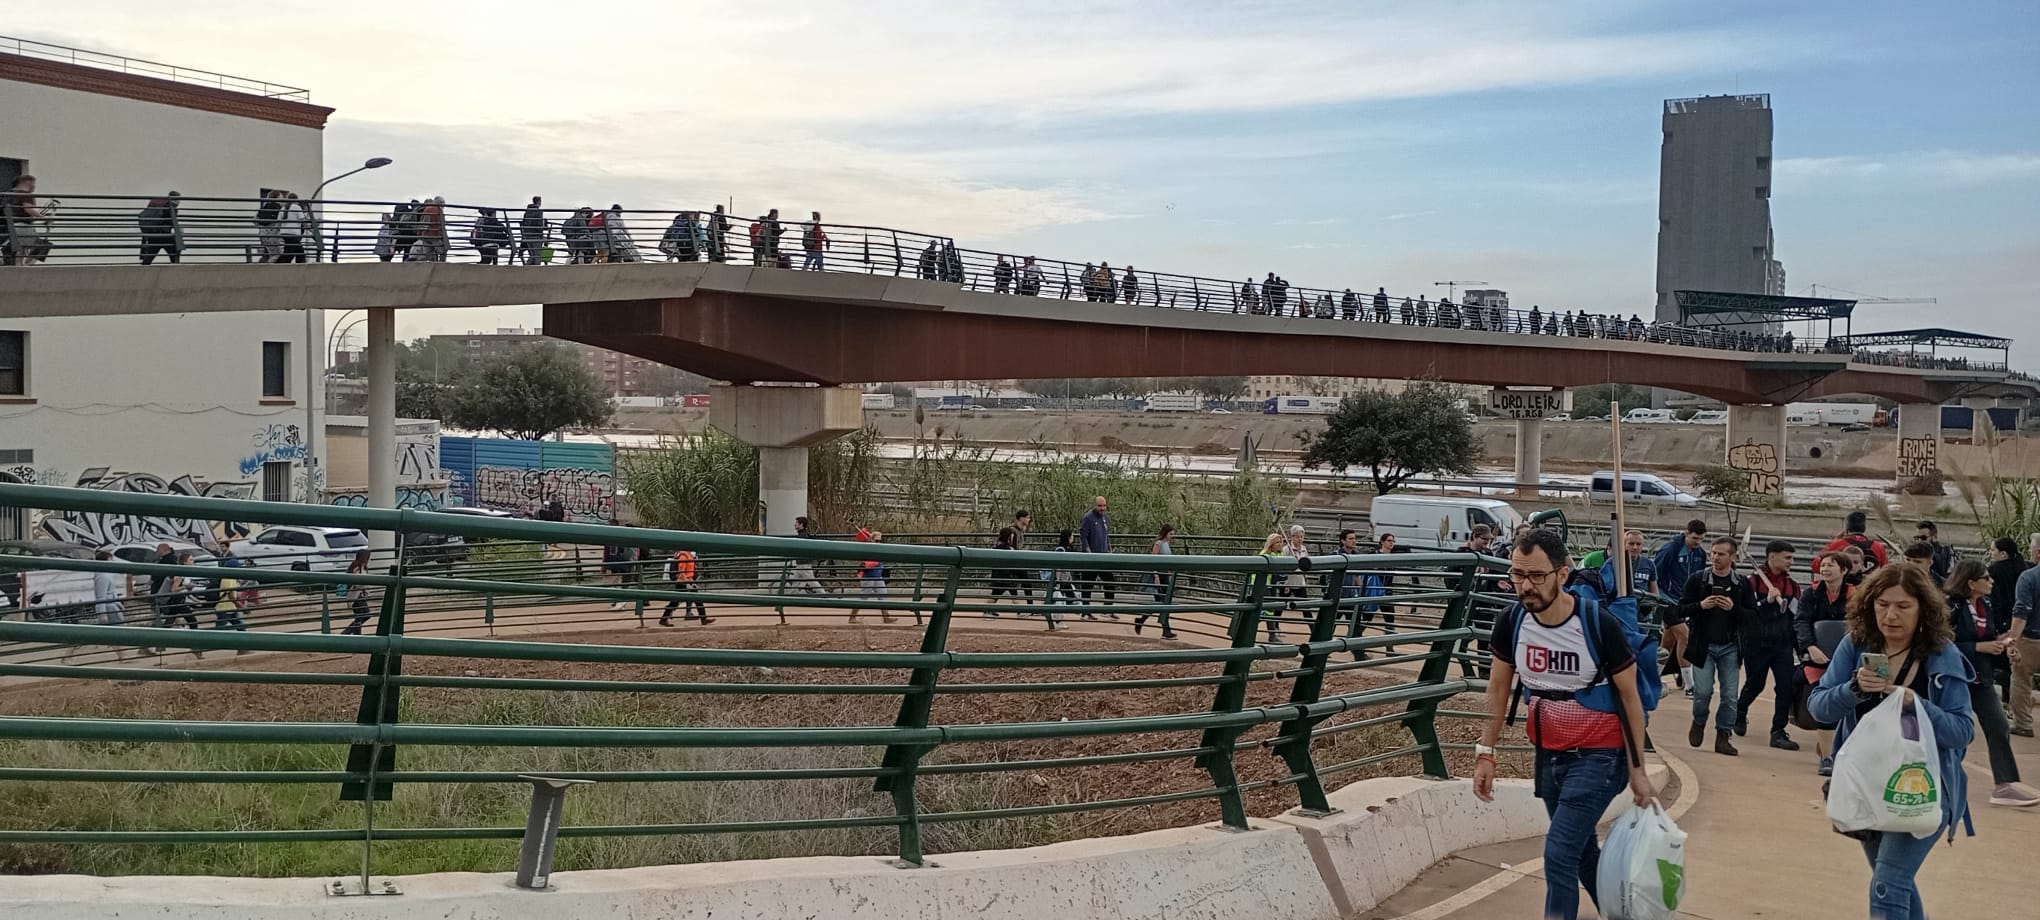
2014,795
1783,742
1168,634
1827,767
668,621
1722,744
616,606
2023,732
1696,734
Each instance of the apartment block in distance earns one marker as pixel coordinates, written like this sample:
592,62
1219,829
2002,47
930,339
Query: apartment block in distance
1714,203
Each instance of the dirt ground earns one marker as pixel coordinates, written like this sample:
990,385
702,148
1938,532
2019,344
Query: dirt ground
258,703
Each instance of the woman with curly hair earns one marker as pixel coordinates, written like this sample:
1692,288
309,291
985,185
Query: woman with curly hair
1898,615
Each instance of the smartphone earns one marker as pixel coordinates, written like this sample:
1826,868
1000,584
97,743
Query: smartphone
1719,591
1878,663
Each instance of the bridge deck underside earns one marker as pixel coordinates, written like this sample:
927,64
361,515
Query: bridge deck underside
746,338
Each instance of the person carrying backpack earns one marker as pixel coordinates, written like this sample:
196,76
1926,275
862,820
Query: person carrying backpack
1853,528
1575,661
160,232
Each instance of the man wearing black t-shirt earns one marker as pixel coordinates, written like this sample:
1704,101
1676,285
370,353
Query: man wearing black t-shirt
1716,605
1585,754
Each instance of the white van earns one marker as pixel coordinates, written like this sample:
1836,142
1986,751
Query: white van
1649,416
1442,522
1710,417
1640,487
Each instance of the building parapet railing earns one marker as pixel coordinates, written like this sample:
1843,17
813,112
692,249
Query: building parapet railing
100,60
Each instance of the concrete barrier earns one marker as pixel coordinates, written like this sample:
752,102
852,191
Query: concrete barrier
1387,832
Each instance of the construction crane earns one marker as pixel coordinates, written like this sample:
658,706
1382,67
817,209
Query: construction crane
1814,289
1452,287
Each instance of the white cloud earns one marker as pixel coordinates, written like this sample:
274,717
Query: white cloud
1938,167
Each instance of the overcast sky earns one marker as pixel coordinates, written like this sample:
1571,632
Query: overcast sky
1337,143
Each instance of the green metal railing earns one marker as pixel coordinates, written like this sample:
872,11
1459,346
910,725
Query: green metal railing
1247,621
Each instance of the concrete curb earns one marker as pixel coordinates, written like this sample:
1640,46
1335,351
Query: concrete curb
1386,833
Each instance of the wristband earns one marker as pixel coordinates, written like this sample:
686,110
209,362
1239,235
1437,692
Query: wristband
1482,750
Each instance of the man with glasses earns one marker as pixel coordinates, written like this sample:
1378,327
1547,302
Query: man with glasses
1587,738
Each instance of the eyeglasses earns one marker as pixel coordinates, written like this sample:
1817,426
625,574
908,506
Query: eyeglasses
1531,577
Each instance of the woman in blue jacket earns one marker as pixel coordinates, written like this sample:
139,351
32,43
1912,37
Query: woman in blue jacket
1897,612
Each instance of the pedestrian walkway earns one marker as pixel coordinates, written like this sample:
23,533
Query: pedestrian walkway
1758,846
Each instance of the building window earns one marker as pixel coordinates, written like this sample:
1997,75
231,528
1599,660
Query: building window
1763,163
1763,191
13,363
275,370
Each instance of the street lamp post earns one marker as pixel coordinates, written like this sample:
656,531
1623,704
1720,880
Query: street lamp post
314,319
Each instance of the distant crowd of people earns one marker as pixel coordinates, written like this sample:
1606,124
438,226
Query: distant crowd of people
421,230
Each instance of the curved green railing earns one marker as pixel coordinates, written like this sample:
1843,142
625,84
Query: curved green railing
1249,621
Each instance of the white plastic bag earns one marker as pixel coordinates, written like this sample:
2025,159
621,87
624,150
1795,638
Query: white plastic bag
1643,866
1888,774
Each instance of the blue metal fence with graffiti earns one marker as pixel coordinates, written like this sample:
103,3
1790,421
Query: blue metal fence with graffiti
523,476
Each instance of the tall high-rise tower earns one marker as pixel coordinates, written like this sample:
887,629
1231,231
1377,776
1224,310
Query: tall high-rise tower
1714,203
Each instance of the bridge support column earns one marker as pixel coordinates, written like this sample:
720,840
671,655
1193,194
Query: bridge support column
382,417
1756,447
783,422
1919,440
1530,456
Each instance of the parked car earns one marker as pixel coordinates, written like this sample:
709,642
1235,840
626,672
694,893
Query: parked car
145,552
1852,429
21,588
316,549
1640,487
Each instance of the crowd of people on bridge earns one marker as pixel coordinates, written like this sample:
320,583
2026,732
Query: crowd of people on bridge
285,230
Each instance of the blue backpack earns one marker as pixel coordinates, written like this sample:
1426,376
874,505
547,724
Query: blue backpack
1600,695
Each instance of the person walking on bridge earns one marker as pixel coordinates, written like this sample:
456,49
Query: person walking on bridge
718,236
160,230
531,229
489,235
1248,301
814,242
1349,306
1002,276
1030,278
1129,286
1381,304
1586,718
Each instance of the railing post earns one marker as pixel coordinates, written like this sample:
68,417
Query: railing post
1292,743
914,709
1231,697
1423,720
379,699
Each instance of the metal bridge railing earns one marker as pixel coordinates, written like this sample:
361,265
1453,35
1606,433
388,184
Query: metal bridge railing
104,229
1272,658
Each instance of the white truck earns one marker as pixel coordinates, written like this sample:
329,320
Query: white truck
1172,402
878,400
1831,413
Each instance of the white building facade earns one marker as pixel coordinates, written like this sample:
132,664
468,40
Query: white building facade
221,405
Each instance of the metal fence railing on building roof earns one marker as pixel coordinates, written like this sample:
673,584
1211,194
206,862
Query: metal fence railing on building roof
103,61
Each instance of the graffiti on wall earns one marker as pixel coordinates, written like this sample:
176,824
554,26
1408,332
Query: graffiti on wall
418,461
28,475
1760,463
1918,457
274,443
105,529
587,494
421,498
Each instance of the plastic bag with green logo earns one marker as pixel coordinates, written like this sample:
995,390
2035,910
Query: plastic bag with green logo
1888,774
1643,866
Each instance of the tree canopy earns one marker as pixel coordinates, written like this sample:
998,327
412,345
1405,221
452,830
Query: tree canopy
528,394
1396,436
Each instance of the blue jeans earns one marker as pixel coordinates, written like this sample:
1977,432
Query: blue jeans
1894,860
1722,660
1576,787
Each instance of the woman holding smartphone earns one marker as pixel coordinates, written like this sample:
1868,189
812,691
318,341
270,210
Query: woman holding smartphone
1901,641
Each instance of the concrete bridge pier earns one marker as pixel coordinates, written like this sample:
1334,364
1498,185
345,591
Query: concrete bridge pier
1530,456
783,421
1756,447
1919,440
382,416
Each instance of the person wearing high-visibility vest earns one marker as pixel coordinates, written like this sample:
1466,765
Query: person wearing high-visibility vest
681,569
